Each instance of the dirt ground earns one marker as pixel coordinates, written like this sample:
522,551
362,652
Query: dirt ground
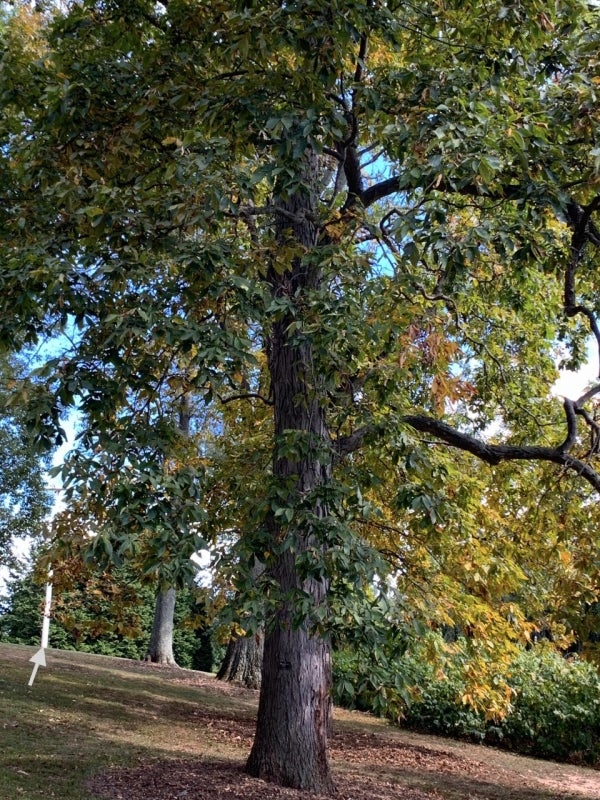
371,761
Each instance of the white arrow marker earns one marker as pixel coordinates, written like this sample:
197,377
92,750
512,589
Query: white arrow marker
39,660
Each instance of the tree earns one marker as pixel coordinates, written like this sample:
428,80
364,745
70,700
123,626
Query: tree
99,610
160,646
239,480
95,610
395,202
243,658
242,662
20,611
24,498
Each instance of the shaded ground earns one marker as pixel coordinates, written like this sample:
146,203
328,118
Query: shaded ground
369,765
109,729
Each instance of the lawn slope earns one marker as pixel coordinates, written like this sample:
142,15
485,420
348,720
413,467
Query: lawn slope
99,728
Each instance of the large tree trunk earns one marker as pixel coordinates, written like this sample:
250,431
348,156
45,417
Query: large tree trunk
290,746
243,661
244,656
160,647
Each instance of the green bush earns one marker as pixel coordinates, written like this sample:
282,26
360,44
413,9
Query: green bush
367,684
436,706
554,710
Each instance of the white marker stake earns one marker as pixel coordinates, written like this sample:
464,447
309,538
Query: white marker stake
47,605
39,660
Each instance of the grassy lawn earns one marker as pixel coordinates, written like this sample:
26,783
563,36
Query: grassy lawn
84,714
176,733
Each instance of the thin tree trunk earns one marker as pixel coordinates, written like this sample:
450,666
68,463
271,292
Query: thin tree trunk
160,647
290,745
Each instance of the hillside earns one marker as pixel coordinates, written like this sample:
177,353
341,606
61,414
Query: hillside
99,728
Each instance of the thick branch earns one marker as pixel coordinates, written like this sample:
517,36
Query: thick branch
570,412
575,215
349,147
580,217
394,185
379,191
594,431
246,396
490,453
353,175
588,395
349,444
362,55
494,454
584,231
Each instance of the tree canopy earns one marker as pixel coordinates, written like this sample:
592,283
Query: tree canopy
374,218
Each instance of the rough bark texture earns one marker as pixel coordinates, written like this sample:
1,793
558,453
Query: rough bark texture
160,647
244,656
290,746
243,661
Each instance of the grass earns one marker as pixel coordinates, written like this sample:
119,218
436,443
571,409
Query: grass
84,714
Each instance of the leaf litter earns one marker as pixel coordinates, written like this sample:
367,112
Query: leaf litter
385,764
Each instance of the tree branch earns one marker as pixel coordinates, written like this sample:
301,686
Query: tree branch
594,431
345,445
245,396
584,231
494,454
580,217
588,395
576,216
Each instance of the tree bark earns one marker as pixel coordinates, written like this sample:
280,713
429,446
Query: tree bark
290,745
243,661
160,647
244,656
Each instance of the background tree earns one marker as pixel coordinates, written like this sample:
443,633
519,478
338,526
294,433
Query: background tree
242,662
160,646
107,611
24,499
240,470
394,202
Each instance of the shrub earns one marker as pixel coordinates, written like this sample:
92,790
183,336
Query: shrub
554,709
436,704
367,684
